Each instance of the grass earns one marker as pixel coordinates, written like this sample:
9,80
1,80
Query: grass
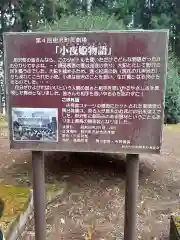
177,223
3,121
16,200
3,124
173,127
3,127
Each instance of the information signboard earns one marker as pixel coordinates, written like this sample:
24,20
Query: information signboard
86,91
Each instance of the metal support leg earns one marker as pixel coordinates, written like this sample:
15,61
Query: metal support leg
132,178
39,195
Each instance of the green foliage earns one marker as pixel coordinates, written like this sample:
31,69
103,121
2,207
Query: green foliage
46,15
172,99
83,23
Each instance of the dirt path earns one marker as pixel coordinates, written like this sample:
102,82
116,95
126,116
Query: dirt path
9,158
95,196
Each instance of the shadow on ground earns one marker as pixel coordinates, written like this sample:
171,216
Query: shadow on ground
91,164
72,166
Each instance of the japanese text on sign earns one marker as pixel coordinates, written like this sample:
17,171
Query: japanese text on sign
87,91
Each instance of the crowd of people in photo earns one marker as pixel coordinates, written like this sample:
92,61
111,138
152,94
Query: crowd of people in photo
25,133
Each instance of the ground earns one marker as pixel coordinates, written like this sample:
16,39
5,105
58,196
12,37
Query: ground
94,198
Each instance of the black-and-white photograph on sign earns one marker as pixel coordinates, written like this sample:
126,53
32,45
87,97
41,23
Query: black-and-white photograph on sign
35,124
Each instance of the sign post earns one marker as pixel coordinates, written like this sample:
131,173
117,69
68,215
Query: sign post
39,194
131,192
94,92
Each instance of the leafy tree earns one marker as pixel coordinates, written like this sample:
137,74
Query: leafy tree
172,98
26,15
17,15
83,23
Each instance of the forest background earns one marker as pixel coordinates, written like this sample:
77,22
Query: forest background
34,15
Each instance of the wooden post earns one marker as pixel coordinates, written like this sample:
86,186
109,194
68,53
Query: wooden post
39,195
132,179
